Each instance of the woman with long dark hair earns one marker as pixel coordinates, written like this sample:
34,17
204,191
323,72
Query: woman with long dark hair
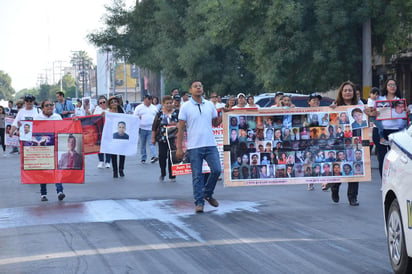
389,92
346,96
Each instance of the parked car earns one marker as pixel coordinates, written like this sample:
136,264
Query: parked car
299,100
397,200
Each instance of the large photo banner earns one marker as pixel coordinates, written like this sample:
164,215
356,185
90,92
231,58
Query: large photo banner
183,167
54,154
120,134
14,140
92,127
296,146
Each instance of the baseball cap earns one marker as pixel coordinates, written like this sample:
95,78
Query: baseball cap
29,97
315,95
241,94
176,97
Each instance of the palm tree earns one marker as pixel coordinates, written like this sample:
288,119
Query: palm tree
82,63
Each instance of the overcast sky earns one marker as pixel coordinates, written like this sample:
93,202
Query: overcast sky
34,34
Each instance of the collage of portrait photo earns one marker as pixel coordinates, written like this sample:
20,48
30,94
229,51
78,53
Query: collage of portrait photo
297,145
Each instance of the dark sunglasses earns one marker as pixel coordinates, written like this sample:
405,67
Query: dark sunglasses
48,105
102,102
28,101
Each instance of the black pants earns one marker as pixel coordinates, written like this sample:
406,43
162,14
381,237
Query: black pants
121,163
164,158
352,189
380,149
2,139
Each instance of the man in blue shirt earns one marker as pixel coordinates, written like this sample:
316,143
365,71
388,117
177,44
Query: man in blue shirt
63,107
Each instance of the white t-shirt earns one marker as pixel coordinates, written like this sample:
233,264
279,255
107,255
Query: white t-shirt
219,105
79,111
54,116
99,110
146,115
198,118
25,114
371,103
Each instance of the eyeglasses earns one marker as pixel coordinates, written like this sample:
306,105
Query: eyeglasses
392,85
102,102
114,101
48,105
28,101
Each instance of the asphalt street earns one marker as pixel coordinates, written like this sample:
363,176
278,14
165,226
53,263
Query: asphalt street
136,224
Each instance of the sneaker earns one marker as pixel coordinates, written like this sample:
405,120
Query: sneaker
107,165
154,159
173,180
311,187
4,154
100,165
325,187
143,161
199,208
353,202
61,196
212,201
161,179
43,198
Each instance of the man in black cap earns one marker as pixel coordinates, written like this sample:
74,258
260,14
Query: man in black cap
176,101
314,100
26,113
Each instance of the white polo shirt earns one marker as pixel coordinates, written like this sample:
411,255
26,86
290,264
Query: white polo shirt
198,118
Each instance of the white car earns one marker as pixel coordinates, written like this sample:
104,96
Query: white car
397,200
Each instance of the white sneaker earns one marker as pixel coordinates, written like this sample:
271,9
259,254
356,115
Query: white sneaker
100,165
107,165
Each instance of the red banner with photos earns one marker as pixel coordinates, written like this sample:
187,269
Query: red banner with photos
54,154
92,127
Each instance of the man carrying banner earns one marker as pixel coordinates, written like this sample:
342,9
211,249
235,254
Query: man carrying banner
198,116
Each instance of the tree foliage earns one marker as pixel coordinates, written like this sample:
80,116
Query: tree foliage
6,90
250,45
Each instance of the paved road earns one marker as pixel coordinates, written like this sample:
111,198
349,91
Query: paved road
138,225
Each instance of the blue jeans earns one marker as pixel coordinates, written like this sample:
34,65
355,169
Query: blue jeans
145,137
202,189
43,188
378,124
102,156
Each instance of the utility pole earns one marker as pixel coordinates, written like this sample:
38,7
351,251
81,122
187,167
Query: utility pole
125,77
366,57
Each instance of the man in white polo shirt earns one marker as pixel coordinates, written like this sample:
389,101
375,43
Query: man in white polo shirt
198,115
146,113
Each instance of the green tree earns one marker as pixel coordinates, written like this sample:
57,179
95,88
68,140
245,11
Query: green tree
32,91
247,45
6,90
